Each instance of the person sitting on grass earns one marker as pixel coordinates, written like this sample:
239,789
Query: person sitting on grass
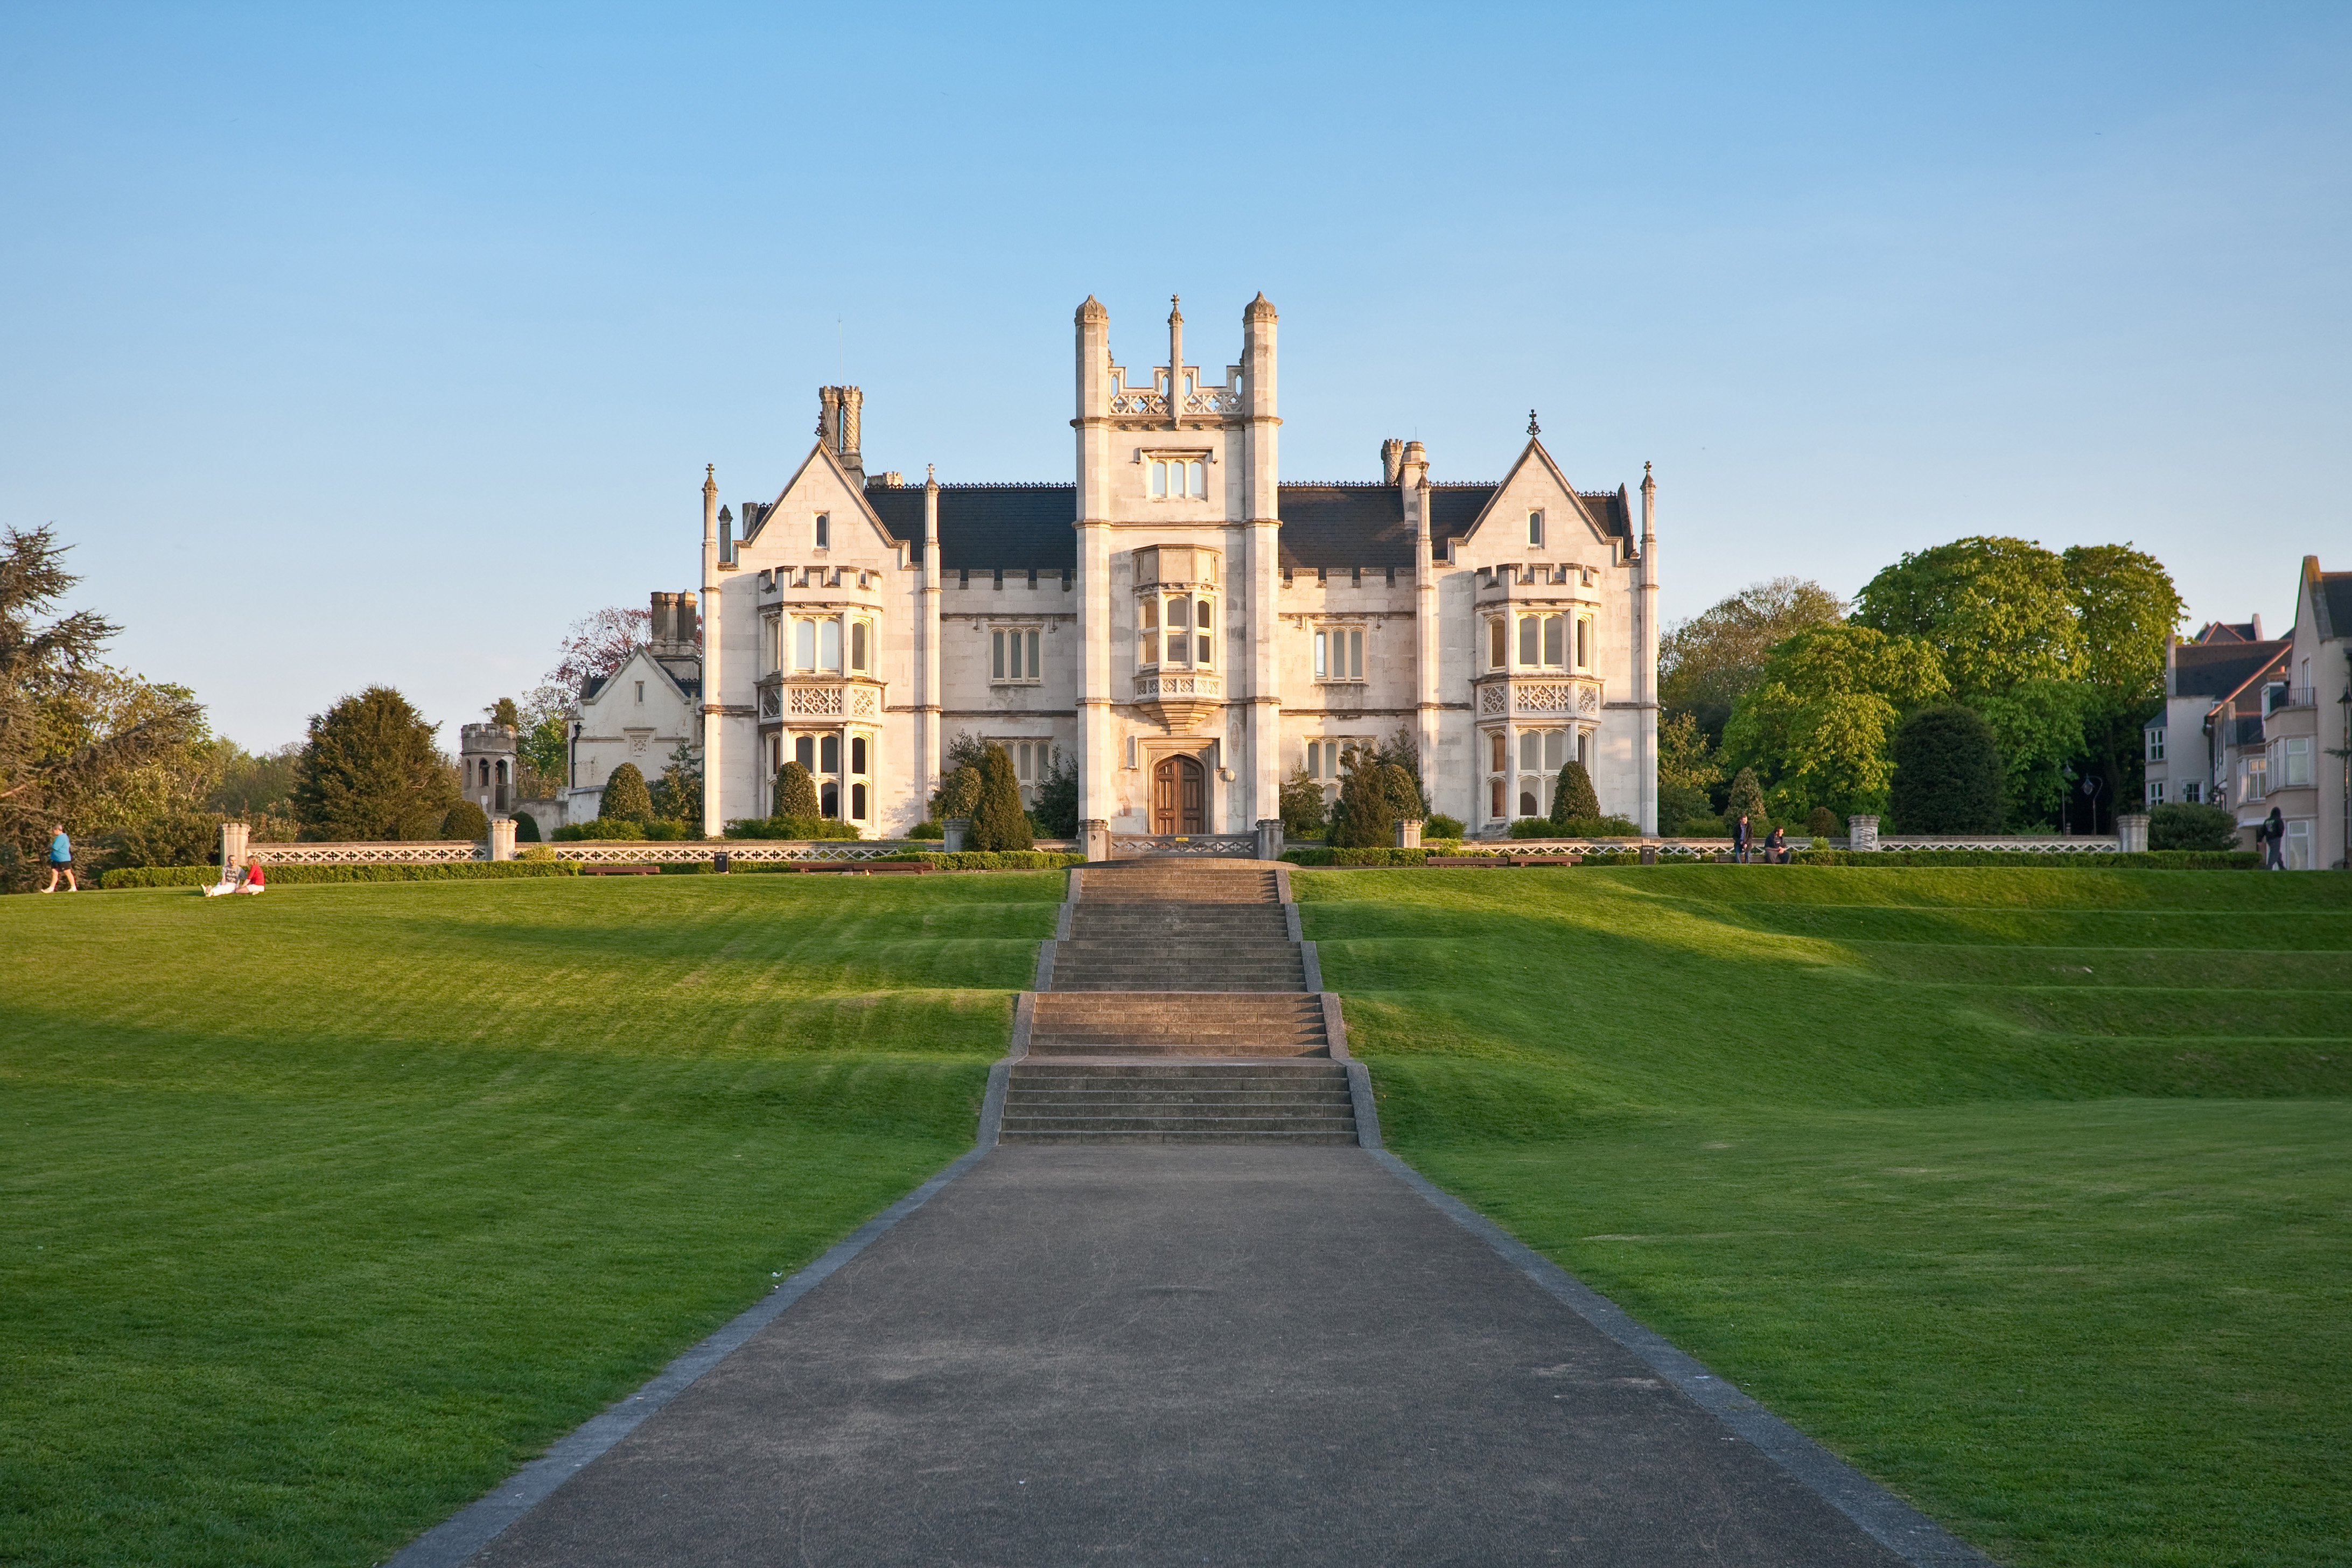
234,882
253,882
61,861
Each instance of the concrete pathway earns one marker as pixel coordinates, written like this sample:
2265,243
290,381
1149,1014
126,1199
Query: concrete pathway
1181,1354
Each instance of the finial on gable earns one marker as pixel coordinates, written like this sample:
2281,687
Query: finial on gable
931,474
1533,428
1259,308
1092,311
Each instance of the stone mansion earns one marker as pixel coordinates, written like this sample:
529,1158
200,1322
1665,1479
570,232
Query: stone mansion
1183,623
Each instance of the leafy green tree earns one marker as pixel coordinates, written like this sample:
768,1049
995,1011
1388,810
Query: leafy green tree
1823,823
2126,604
467,821
1365,816
959,794
2038,727
2178,824
1401,752
997,821
1302,806
1688,774
625,796
1057,798
504,711
370,771
796,792
249,785
1996,611
1572,795
678,794
1817,727
94,748
1948,773
1707,663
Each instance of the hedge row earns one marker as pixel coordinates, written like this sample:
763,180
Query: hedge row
286,876
998,860
1370,856
2145,859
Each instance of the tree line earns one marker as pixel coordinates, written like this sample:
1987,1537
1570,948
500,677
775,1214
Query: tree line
1976,687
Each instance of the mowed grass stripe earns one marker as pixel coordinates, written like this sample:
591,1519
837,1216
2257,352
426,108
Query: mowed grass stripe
2047,1277
328,1209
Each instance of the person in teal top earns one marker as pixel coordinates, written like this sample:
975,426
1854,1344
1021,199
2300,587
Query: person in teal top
61,862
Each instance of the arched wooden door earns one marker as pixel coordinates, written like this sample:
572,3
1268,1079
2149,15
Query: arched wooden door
1176,796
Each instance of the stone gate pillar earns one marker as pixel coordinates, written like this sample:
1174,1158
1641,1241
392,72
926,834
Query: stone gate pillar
234,837
1862,833
502,838
2131,832
1094,838
1269,839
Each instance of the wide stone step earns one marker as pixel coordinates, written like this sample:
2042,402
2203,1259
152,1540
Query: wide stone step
1282,1070
1074,1137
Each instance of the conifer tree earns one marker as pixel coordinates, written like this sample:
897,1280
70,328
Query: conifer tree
625,798
1948,773
370,771
796,792
1365,817
1572,797
997,821
1746,799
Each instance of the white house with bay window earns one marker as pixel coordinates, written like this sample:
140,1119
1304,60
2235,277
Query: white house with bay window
1186,626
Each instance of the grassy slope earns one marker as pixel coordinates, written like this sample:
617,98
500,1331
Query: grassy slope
323,1209
2024,1189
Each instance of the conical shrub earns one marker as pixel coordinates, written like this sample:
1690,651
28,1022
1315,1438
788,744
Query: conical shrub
795,793
467,821
625,797
1572,796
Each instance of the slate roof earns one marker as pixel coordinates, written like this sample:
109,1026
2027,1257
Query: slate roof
1019,527
2217,670
2228,632
2336,590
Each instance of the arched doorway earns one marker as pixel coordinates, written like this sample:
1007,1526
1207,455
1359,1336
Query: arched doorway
1176,796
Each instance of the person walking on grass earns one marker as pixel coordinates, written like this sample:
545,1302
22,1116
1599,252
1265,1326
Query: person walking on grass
61,861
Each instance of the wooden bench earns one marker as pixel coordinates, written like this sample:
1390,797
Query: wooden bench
865,868
593,870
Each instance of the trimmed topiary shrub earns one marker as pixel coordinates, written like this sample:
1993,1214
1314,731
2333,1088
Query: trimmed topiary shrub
1823,823
625,797
289,876
2179,825
467,821
1441,825
997,861
1948,773
998,823
796,792
1572,797
927,830
526,828
960,793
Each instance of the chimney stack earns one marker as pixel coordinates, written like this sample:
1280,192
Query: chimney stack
1414,466
1391,460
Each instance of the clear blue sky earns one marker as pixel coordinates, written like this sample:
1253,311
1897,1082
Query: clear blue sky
355,344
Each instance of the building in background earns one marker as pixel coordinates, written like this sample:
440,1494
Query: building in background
640,713
2255,724
1180,621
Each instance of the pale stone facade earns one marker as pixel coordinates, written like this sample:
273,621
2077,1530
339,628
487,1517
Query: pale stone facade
1184,624
640,713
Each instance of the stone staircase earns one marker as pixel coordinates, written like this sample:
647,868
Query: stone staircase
1178,1011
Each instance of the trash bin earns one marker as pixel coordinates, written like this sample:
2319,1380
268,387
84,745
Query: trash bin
718,862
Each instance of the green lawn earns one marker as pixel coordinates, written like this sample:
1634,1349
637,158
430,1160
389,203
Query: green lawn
325,1209
2026,1191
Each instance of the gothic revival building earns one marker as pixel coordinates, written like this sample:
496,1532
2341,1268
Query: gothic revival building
1185,625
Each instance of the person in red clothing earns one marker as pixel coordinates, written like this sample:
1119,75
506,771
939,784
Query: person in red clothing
253,882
